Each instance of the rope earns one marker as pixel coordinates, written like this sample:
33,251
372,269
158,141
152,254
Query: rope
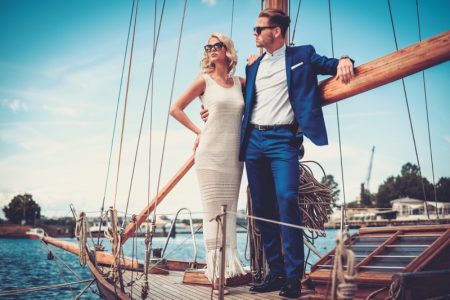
39,288
409,115
343,278
219,225
395,290
274,222
343,217
115,118
150,80
295,24
81,231
428,119
60,269
84,289
175,249
149,232
125,104
314,200
374,293
66,265
171,96
254,241
232,19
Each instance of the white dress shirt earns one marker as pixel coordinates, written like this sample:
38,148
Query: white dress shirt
272,105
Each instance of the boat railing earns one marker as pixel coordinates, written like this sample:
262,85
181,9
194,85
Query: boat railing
194,259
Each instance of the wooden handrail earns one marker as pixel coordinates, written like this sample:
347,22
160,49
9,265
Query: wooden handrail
430,253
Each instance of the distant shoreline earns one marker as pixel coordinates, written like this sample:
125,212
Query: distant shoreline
15,231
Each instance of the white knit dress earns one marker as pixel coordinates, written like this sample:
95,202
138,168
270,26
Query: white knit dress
219,171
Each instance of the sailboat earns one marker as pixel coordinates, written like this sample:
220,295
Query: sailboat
120,278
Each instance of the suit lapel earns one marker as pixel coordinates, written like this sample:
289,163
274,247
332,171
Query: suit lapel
250,84
288,68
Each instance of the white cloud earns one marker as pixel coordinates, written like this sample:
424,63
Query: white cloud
15,105
447,138
209,2
62,110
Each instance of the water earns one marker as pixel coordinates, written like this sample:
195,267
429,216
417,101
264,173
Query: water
24,263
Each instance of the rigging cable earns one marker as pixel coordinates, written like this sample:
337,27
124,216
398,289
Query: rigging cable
149,232
115,118
61,261
125,104
409,114
295,24
171,95
344,213
144,109
40,288
140,127
426,109
232,18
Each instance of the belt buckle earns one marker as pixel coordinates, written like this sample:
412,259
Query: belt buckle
260,127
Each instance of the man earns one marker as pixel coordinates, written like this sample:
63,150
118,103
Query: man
282,104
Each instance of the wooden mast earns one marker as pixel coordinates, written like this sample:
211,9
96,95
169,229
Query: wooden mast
278,4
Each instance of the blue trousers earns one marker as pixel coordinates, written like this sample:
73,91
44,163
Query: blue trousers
273,174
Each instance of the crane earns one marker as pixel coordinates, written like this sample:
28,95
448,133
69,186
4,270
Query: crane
369,172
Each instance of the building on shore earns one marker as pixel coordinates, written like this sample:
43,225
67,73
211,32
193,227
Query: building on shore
415,209
403,211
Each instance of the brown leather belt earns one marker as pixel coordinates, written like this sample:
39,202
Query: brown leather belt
272,127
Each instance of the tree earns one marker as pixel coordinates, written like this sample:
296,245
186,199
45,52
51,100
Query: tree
443,189
409,168
22,210
329,181
367,199
408,184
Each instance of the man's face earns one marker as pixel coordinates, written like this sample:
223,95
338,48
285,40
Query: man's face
265,37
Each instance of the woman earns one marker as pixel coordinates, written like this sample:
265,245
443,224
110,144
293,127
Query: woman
218,168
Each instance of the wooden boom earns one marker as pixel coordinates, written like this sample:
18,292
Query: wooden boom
101,257
129,230
389,68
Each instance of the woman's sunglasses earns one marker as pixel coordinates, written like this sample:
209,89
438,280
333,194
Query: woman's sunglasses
216,46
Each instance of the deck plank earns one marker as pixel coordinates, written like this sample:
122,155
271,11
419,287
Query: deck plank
171,287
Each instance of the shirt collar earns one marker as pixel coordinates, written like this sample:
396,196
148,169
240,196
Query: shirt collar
277,53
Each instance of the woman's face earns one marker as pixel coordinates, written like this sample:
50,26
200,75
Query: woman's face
215,50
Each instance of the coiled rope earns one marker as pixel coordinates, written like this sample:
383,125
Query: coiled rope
343,275
81,230
314,199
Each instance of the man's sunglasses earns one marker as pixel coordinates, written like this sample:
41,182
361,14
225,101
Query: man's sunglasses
259,29
216,46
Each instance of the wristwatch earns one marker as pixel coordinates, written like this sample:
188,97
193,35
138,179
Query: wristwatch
347,57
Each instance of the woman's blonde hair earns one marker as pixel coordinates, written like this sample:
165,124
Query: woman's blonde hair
208,67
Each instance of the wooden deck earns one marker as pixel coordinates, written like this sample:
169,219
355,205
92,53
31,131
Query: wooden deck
384,251
171,287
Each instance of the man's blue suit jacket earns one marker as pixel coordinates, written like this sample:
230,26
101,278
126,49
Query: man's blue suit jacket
303,65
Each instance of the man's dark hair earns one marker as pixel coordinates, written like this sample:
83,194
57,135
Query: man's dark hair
276,18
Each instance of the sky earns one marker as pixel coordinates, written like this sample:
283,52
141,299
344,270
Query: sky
61,65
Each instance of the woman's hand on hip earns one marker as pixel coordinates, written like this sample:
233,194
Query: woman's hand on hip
197,142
